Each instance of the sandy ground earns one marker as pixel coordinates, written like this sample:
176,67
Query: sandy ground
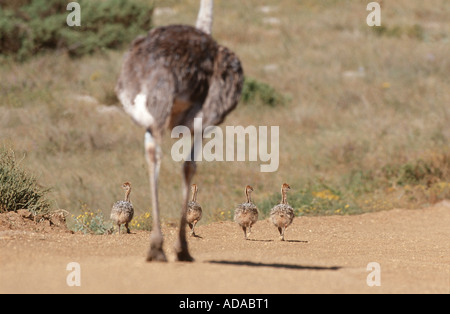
321,255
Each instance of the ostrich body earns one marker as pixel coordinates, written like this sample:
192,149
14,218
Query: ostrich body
282,214
175,74
122,211
246,214
194,213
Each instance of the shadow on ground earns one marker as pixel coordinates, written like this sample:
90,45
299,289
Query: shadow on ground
276,265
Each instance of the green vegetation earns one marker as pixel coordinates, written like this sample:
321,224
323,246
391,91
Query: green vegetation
19,189
254,90
39,25
421,171
89,222
317,199
415,31
142,222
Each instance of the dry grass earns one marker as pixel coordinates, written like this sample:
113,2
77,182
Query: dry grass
361,100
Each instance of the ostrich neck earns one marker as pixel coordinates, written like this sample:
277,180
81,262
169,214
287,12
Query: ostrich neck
283,197
205,16
127,195
194,196
248,194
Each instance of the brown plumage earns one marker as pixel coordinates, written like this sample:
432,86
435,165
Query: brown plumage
169,77
122,211
246,214
194,213
183,74
282,214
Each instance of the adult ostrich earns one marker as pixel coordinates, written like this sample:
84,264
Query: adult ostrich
175,74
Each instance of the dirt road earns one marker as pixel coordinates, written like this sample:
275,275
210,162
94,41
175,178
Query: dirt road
321,255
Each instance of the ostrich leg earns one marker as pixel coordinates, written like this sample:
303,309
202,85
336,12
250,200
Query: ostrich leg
181,246
152,152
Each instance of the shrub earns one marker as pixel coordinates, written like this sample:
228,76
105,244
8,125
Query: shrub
41,25
317,199
89,222
142,222
18,189
435,168
412,31
254,90
222,214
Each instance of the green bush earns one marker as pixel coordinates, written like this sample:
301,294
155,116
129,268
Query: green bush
254,89
420,171
18,189
312,200
40,25
412,31
89,222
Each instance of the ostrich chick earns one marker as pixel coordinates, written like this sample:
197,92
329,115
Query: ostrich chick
282,214
122,211
246,214
194,211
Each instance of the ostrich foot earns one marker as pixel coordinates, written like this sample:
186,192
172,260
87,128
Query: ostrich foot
156,253
182,252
